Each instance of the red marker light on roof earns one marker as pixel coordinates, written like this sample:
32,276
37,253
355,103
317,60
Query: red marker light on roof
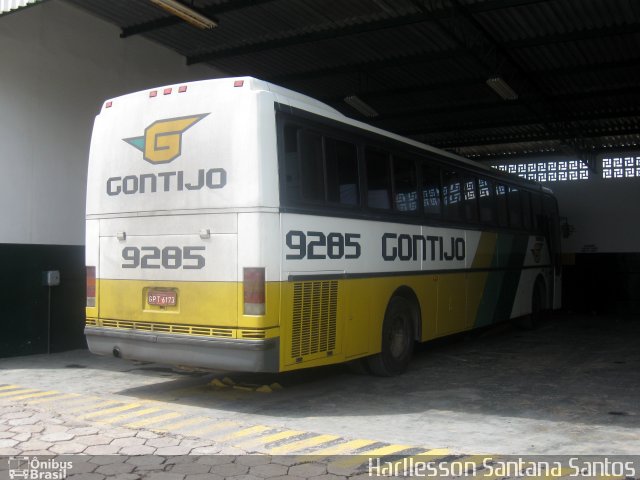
182,89
108,104
167,91
238,83
153,93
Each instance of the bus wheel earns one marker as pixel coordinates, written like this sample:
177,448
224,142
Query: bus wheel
397,340
531,321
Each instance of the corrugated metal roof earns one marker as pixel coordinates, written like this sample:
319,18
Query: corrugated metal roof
423,65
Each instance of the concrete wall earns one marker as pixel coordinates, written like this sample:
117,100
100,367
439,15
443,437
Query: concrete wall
57,66
604,213
602,268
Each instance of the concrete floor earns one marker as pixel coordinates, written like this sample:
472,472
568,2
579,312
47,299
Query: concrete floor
570,387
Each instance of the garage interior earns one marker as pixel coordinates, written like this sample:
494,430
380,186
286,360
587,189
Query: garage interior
547,89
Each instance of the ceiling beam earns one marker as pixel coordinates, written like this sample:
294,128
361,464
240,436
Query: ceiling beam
559,135
588,34
171,20
453,53
422,16
315,36
518,122
478,80
369,65
521,101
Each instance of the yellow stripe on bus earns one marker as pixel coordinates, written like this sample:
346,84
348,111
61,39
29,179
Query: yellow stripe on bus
152,420
303,444
109,411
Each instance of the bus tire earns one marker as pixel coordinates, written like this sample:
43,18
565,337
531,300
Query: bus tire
532,320
397,340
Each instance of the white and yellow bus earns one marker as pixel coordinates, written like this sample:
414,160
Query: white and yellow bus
236,225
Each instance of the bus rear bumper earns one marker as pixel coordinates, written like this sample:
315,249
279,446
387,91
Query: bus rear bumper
204,352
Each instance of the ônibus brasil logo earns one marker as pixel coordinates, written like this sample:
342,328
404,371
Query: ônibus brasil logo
162,140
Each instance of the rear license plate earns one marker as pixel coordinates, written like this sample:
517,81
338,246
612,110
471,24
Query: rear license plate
162,298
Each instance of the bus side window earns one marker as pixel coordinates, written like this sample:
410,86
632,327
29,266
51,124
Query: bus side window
525,199
342,172
452,195
536,210
291,164
486,200
405,185
501,205
312,168
515,208
470,199
378,179
552,228
431,198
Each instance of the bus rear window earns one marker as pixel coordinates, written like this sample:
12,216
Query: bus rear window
311,166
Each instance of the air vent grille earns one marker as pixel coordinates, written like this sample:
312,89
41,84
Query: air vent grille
314,318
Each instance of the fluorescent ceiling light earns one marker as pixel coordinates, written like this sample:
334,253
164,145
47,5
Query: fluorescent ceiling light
189,15
502,88
361,106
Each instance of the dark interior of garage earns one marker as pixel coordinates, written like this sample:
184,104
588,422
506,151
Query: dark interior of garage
511,83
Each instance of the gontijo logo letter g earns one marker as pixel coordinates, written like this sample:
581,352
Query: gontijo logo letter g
162,140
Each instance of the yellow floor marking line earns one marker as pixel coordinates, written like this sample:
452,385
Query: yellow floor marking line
101,413
185,423
433,454
270,438
34,395
85,406
302,444
243,433
9,387
563,472
211,428
152,420
126,416
343,447
362,457
53,399
17,392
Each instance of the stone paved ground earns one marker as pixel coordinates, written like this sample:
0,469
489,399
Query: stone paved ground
100,451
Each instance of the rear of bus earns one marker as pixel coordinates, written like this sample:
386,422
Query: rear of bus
182,218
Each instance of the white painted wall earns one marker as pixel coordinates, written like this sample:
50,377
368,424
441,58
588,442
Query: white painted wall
604,212
57,66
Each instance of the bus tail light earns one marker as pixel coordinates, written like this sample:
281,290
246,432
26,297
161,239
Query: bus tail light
91,286
254,291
